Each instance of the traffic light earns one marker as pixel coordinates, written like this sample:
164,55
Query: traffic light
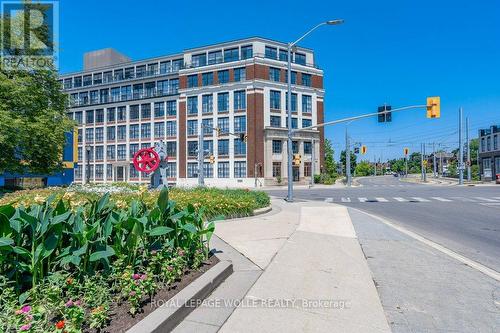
212,159
433,107
296,159
406,151
217,131
363,150
384,117
243,137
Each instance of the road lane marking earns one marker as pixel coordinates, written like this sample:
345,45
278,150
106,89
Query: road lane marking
486,199
469,262
400,199
381,199
441,199
420,199
346,199
362,199
464,199
328,199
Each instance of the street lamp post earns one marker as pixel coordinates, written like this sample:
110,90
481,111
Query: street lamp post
289,104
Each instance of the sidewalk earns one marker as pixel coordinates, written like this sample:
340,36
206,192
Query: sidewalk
308,274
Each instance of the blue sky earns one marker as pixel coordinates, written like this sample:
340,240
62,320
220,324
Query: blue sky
394,52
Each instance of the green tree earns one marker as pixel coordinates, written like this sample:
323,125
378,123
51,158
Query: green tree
364,168
330,165
32,117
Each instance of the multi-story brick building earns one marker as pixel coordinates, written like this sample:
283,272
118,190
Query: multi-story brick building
489,152
121,106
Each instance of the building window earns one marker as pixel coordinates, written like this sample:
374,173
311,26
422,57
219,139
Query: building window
223,102
294,102
207,79
134,112
240,100
276,169
240,169
134,148
177,64
223,76
121,113
110,133
208,170
306,80
99,116
495,144
133,173
223,169
300,58
214,57
246,52
171,170
111,114
192,148
80,135
77,81
307,169
223,125
240,124
306,123
87,80
159,109
223,147
306,104
192,170
231,54
208,147
275,121
159,129
78,117
99,171
307,148
240,147
99,134
146,131
192,127
134,131
207,127
295,147
109,171
240,74
138,90
275,99
121,152
294,122
192,105
89,134
274,74
277,146
171,128
150,88
294,77
99,153
110,152
121,132
171,108
172,148
207,103
145,111
271,52
89,116
165,67
198,60
192,81
488,143
283,55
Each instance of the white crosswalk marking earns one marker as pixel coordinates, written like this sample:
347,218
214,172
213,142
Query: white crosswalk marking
486,199
464,199
441,199
328,199
400,199
346,199
381,199
362,199
421,199
496,198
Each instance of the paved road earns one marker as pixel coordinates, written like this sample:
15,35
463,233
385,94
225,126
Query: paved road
463,219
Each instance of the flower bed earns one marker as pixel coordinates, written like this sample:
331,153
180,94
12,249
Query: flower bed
67,258
227,202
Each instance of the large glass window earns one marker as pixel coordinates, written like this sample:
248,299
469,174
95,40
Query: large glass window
171,128
121,152
192,148
271,52
276,169
240,147
192,127
223,170
171,169
99,116
207,79
223,102
306,79
214,57
223,76
177,64
79,117
159,109
134,112
133,148
99,171
159,129
138,90
208,170
207,103
208,147
275,121
121,132
306,123
198,60
110,152
240,124
121,113
240,74
294,102
192,105
300,58
134,131
192,170
192,81
111,133
115,94
99,134
240,169
171,108
89,135
295,147
145,111
171,148
231,54
111,113
275,99
306,104
307,148
223,125
274,74
283,55
99,153
208,125
246,52
89,116
223,147
146,131
277,146
240,100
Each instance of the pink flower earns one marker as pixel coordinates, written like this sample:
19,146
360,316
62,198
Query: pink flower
170,268
143,277
136,276
26,309
78,303
18,312
69,304
29,317
132,293
25,327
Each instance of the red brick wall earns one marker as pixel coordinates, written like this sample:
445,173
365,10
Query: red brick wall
317,81
255,131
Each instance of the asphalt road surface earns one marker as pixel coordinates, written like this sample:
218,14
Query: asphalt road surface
465,219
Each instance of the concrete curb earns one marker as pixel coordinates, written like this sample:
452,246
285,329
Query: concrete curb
169,315
263,210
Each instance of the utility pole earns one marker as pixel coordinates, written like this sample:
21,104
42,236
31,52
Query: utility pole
469,176
375,163
460,149
312,163
201,156
406,166
434,160
347,158
441,163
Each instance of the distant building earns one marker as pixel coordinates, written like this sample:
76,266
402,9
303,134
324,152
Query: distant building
489,152
443,160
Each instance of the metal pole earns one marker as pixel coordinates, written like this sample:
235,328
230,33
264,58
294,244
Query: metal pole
289,145
88,164
422,161
434,169
460,149
312,163
441,163
406,166
347,158
375,163
201,157
469,176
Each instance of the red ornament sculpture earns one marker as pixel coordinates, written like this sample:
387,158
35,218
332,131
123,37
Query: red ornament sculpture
146,160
